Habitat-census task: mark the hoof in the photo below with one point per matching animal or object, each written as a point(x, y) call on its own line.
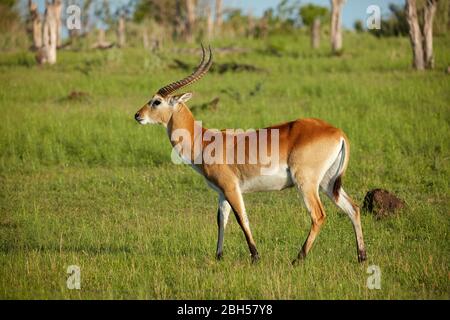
point(362, 256)
point(219, 256)
point(255, 259)
point(297, 261)
point(301, 256)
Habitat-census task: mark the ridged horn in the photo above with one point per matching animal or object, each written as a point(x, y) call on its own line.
point(199, 72)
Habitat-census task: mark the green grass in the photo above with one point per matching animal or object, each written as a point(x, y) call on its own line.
point(82, 184)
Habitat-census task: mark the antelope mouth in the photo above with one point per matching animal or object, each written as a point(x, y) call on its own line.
point(144, 121)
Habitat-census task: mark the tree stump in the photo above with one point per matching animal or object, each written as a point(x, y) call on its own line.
point(36, 26)
point(121, 34)
point(315, 34)
point(382, 203)
point(336, 26)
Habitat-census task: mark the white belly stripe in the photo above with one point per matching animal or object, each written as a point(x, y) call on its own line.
point(278, 180)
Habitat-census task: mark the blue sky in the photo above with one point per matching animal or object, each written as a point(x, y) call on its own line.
point(353, 9)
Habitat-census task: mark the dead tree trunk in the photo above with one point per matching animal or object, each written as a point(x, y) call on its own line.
point(219, 20)
point(190, 19)
point(101, 36)
point(121, 37)
point(251, 24)
point(47, 54)
point(415, 35)
point(263, 27)
point(178, 23)
point(336, 22)
point(145, 40)
point(315, 33)
point(85, 17)
point(36, 25)
point(429, 12)
point(101, 41)
point(58, 12)
point(209, 22)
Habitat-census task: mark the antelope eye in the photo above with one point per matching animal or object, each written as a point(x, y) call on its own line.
point(156, 103)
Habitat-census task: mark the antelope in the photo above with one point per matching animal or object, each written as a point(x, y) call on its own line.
point(311, 155)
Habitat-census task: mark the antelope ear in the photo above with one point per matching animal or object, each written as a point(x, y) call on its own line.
point(184, 97)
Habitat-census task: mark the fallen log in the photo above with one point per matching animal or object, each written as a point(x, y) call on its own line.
point(211, 105)
point(221, 68)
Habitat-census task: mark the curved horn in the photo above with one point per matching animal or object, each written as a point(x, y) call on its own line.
point(199, 72)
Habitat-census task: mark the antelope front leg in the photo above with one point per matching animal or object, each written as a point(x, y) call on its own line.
point(234, 198)
point(223, 212)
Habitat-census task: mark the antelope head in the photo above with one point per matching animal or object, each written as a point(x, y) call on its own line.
point(161, 106)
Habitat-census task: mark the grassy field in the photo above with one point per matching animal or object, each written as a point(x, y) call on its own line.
point(81, 183)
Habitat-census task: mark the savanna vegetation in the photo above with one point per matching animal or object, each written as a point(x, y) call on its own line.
point(81, 183)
